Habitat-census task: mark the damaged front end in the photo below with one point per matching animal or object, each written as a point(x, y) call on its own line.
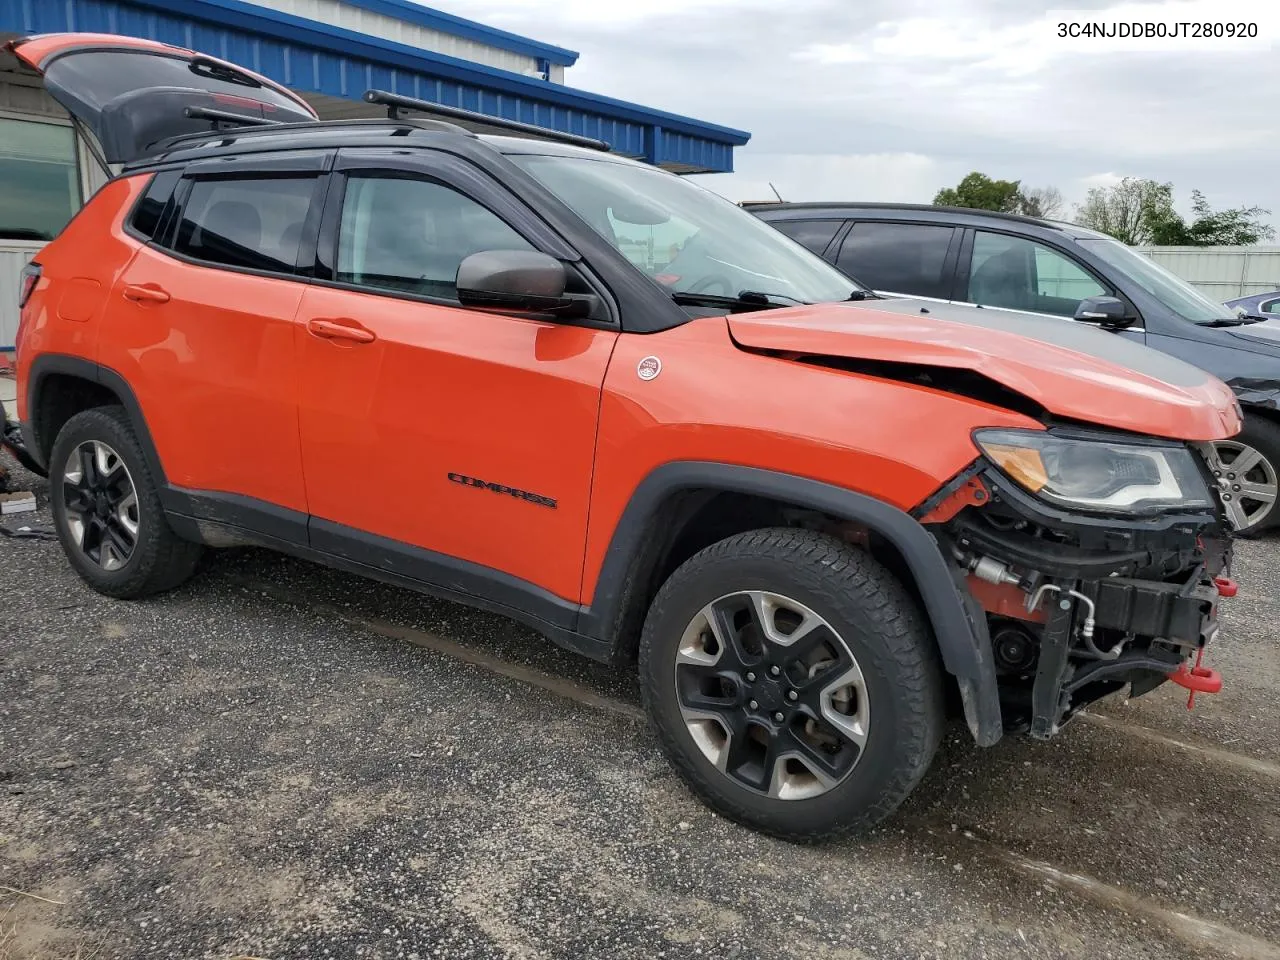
point(1097, 561)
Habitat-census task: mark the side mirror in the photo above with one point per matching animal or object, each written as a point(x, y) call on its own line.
point(515, 280)
point(1108, 311)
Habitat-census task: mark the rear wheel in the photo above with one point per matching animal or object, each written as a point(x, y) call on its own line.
point(1247, 468)
point(107, 510)
point(792, 683)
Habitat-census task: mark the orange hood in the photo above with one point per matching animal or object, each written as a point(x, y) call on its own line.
point(1071, 369)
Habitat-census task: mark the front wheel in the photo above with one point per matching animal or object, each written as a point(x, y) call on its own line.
point(792, 683)
point(1247, 468)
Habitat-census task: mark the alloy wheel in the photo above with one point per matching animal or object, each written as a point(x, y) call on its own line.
point(772, 695)
point(1247, 482)
point(101, 504)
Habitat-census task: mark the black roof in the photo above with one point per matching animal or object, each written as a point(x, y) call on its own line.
point(941, 214)
point(324, 134)
point(231, 134)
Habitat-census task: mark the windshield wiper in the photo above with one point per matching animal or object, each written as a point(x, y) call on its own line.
point(747, 300)
point(1228, 322)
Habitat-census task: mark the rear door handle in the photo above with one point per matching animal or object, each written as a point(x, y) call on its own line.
point(145, 293)
point(340, 329)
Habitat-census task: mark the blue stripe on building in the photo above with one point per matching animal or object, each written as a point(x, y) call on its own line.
point(316, 57)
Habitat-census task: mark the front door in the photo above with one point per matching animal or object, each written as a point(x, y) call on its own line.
point(446, 444)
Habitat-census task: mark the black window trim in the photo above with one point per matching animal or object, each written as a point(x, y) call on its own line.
point(162, 223)
point(949, 259)
point(960, 289)
point(456, 174)
point(837, 235)
point(167, 235)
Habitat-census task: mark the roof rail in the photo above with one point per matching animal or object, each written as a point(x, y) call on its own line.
point(259, 127)
point(394, 103)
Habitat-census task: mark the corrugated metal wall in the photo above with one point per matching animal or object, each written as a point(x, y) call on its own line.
point(14, 255)
point(1223, 273)
point(341, 14)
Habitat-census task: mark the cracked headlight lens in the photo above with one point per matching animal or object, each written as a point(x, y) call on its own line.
point(1100, 475)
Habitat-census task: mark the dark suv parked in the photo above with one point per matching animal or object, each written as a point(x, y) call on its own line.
point(1060, 269)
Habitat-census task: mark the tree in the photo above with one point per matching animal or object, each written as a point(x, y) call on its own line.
point(979, 192)
point(1138, 212)
point(1043, 202)
point(1236, 227)
point(1129, 210)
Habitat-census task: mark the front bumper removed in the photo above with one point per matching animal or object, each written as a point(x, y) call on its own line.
point(1077, 607)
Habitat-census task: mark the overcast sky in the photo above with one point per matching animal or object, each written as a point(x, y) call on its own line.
point(893, 99)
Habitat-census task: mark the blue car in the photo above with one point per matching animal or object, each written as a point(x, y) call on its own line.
point(1262, 305)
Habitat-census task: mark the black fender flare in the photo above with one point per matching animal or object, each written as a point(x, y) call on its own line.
point(55, 363)
point(958, 624)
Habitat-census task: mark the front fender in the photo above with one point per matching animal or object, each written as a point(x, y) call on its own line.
point(958, 625)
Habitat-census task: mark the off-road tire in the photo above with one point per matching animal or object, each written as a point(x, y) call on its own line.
point(881, 624)
point(160, 560)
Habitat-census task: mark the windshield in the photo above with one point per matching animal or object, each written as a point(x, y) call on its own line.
point(685, 237)
point(1176, 294)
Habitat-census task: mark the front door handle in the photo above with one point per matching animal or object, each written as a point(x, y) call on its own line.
point(341, 329)
point(145, 293)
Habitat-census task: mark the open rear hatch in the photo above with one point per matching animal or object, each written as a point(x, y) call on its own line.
point(134, 94)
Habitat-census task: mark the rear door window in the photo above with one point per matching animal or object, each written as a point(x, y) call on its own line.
point(906, 258)
point(251, 223)
point(813, 234)
point(1020, 274)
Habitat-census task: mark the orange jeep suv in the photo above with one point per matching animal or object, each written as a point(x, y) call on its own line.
point(590, 395)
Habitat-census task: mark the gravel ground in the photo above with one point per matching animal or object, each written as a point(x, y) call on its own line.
point(279, 761)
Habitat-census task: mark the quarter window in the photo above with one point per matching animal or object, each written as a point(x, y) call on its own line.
point(898, 257)
point(813, 234)
point(411, 235)
point(41, 178)
point(253, 222)
point(1271, 306)
point(1021, 274)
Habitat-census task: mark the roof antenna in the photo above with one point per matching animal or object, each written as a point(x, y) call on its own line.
point(776, 193)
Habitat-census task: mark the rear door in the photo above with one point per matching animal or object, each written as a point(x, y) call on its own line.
point(131, 94)
point(201, 325)
point(908, 259)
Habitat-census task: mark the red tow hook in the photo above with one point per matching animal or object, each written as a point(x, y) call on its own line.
point(1198, 679)
point(1226, 586)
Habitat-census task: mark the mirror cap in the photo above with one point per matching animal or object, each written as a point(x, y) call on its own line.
point(1109, 311)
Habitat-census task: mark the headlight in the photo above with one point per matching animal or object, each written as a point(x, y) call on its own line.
point(1098, 474)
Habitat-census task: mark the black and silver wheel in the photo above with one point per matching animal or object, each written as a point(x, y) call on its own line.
point(107, 511)
point(772, 695)
point(792, 683)
point(1247, 469)
point(101, 504)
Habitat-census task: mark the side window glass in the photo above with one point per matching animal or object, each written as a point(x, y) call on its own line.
point(411, 235)
point(1271, 306)
point(898, 257)
point(150, 209)
point(1020, 274)
point(814, 234)
point(255, 223)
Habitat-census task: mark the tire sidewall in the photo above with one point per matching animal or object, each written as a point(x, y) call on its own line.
point(103, 426)
point(681, 600)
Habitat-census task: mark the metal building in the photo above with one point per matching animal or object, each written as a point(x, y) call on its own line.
point(1222, 273)
point(331, 51)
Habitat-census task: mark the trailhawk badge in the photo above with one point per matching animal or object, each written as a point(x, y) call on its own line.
point(648, 368)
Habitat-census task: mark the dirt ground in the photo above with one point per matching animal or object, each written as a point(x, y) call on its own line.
point(278, 761)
